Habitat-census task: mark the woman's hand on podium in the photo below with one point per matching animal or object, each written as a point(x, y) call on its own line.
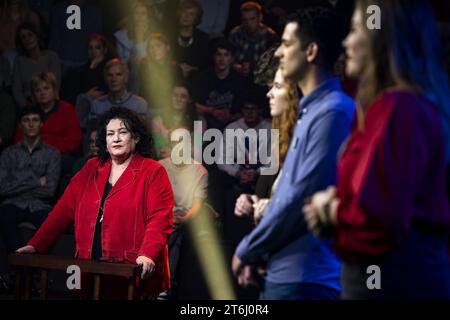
point(26, 249)
point(147, 266)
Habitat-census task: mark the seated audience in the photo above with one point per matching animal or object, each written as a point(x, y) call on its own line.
point(252, 37)
point(32, 60)
point(12, 15)
point(180, 112)
point(190, 44)
point(88, 80)
point(29, 171)
point(116, 77)
point(132, 39)
point(92, 152)
point(72, 45)
point(158, 72)
point(61, 126)
point(246, 173)
point(218, 89)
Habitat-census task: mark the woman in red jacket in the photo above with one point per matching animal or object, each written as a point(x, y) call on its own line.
point(120, 203)
point(390, 210)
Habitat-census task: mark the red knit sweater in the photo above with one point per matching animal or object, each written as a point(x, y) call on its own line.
point(61, 129)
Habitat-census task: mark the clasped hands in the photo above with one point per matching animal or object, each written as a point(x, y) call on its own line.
point(320, 211)
point(246, 274)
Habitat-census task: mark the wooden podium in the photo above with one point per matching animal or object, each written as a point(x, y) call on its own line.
point(26, 264)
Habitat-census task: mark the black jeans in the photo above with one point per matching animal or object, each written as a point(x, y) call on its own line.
point(10, 217)
point(175, 244)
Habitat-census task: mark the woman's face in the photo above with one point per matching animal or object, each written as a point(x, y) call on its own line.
point(29, 39)
point(140, 15)
point(180, 98)
point(44, 94)
point(158, 49)
point(96, 50)
point(278, 95)
point(93, 149)
point(188, 17)
point(356, 47)
point(120, 143)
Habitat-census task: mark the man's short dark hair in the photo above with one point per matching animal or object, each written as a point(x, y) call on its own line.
point(31, 110)
point(223, 43)
point(254, 97)
point(322, 25)
point(251, 6)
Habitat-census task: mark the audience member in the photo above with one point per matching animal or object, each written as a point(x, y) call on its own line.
point(244, 153)
point(13, 14)
point(158, 73)
point(32, 60)
point(116, 75)
point(218, 89)
point(246, 173)
point(132, 40)
point(29, 171)
point(61, 126)
point(92, 152)
point(180, 112)
point(72, 44)
point(88, 80)
point(251, 38)
point(190, 44)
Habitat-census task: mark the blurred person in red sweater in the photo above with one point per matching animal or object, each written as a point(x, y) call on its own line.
point(61, 128)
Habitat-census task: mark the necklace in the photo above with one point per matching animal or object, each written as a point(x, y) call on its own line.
point(185, 43)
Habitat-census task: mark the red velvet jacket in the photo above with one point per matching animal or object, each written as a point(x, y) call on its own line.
point(137, 217)
point(391, 173)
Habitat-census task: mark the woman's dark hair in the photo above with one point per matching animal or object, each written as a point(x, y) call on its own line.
point(189, 115)
point(110, 49)
point(133, 123)
point(33, 29)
